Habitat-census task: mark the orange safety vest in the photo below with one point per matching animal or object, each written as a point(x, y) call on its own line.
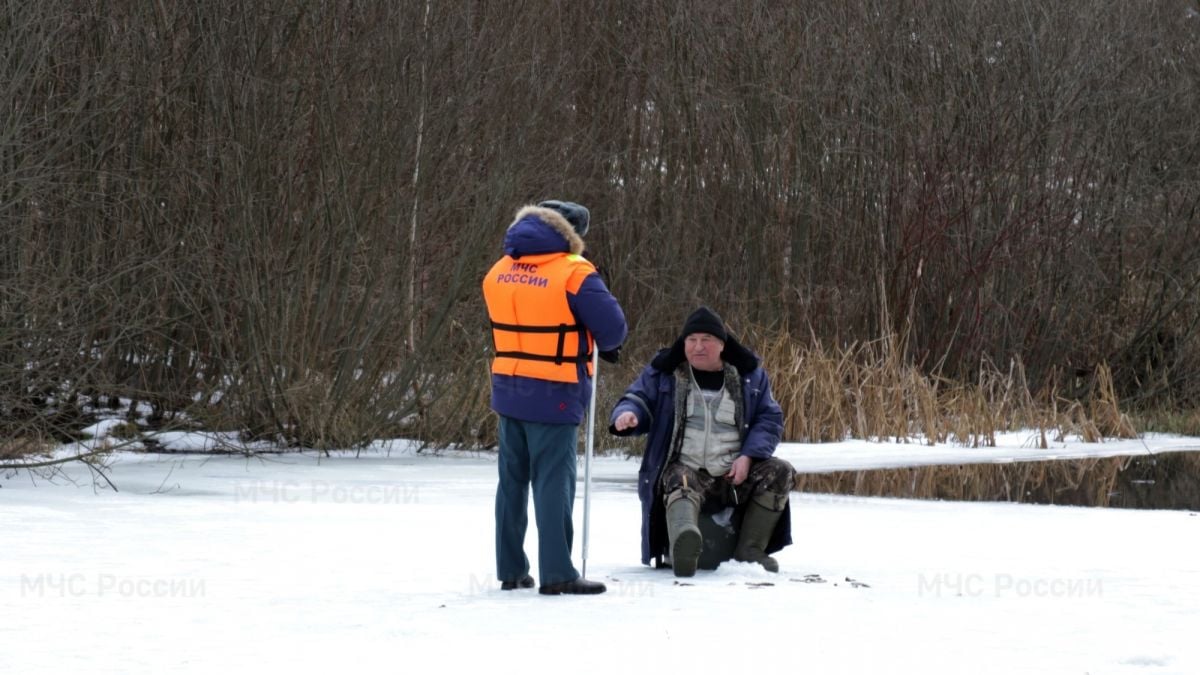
point(533, 329)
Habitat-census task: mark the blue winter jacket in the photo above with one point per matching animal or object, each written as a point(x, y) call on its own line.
point(652, 399)
point(534, 400)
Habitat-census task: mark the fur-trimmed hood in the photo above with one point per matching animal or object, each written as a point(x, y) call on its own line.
point(740, 357)
point(537, 230)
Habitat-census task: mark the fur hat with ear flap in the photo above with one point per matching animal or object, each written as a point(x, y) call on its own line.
point(576, 214)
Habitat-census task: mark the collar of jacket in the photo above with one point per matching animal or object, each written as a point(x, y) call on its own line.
point(667, 360)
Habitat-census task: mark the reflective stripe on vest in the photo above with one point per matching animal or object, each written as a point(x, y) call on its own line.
point(533, 330)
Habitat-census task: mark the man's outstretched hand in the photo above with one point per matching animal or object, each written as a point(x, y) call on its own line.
point(625, 421)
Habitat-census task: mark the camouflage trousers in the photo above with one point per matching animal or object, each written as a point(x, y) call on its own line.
point(768, 483)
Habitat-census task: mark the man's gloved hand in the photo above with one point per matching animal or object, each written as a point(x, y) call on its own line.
point(611, 355)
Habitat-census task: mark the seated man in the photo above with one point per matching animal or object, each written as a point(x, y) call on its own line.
point(713, 428)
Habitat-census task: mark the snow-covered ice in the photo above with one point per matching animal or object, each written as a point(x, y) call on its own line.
point(384, 563)
point(1011, 446)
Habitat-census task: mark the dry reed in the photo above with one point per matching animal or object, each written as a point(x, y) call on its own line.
point(866, 390)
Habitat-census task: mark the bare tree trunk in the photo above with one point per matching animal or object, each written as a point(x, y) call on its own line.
point(413, 264)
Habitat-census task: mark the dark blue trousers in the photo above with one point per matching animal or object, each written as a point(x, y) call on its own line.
point(541, 456)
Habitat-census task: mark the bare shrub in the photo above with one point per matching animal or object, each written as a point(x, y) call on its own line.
point(272, 216)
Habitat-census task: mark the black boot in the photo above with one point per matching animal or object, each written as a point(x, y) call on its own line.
point(524, 582)
point(684, 537)
point(579, 586)
point(757, 526)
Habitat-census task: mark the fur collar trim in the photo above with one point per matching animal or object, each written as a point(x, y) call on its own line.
point(555, 221)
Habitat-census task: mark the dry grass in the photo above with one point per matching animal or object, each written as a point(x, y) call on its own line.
point(24, 447)
point(1184, 423)
point(865, 390)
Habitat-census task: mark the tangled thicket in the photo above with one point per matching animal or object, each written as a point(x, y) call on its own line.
point(272, 215)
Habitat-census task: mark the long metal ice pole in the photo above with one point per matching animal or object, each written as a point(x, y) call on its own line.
point(587, 457)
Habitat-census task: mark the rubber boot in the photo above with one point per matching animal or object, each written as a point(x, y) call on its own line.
point(684, 536)
point(757, 526)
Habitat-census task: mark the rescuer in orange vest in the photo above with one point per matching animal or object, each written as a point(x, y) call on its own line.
point(549, 309)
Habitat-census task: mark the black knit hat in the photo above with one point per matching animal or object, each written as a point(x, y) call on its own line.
point(576, 214)
point(704, 320)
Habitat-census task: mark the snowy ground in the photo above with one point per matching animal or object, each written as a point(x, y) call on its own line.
point(384, 563)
